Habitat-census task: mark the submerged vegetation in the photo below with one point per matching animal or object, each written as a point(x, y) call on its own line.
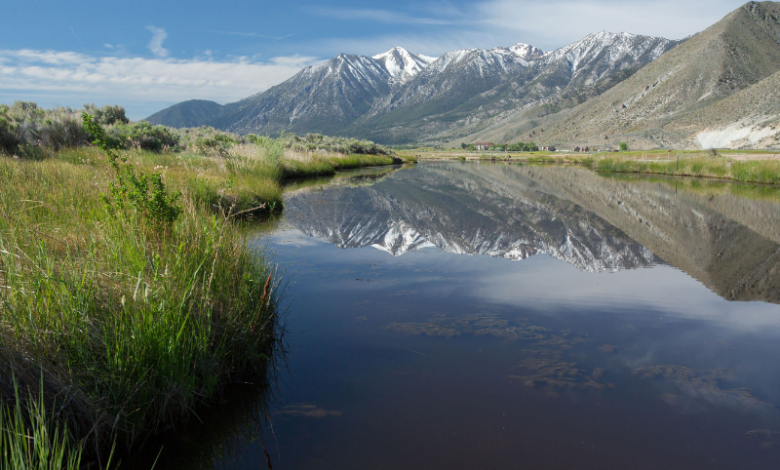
point(128, 292)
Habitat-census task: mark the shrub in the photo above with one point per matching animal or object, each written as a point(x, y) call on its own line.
point(144, 136)
point(320, 143)
point(145, 193)
point(107, 115)
point(9, 130)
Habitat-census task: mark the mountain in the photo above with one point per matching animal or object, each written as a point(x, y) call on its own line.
point(398, 96)
point(466, 91)
point(526, 52)
point(676, 100)
point(322, 98)
point(752, 118)
point(191, 113)
point(602, 90)
point(402, 65)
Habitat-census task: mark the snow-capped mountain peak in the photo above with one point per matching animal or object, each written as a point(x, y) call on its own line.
point(401, 64)
point(526, 52)
point(617, 46)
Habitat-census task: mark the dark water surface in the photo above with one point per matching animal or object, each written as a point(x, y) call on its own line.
point(463, 316)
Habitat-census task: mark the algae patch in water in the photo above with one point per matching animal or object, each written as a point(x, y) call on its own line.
point(546, 368)
point(479, 324)
point(701, 386)
point(308, 411)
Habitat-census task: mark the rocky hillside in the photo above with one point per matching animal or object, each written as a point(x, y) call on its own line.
point(466, 91)
point(676, 100)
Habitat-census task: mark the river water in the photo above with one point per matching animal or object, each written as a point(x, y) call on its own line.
point(464, 315)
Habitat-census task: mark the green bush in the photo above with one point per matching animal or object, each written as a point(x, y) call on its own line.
point(107, 115)
point(145, 193)
point(144, 136)
point(9, 130)
point(318, 142)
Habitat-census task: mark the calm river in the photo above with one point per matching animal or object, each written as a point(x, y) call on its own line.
point(495, 316)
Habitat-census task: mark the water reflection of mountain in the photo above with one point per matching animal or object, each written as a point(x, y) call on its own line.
point(466, 213)
point(730, 244)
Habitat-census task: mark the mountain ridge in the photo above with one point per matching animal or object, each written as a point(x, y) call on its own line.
point(599, 91)
point(653, 108)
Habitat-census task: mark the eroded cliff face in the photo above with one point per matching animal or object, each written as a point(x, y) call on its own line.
point(730, 244)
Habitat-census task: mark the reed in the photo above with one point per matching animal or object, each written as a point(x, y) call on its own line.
point(128, 328)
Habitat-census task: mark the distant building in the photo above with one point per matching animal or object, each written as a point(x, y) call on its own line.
point(483, 145)
point(548, 148)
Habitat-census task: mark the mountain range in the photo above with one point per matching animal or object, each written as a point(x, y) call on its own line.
point(606, 88)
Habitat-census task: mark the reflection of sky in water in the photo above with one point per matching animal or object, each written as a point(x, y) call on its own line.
point(437, 360)
point(609, 346)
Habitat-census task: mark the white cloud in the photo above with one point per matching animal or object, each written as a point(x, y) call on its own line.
point(295, 61)
point(548, 25)
point(565, 21)
point(155, 44)
point(27, 74)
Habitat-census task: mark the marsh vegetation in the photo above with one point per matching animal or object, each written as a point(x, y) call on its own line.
point(129, 296)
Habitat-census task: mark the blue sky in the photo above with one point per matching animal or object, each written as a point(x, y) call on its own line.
point(146, 55)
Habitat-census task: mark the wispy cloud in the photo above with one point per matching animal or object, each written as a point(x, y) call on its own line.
point(156, 43)
point(30, 73)
point(379, 16)
point(250, 34)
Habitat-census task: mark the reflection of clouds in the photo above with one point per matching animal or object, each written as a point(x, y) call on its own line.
point(294, 238)
point(308, 411)
point(692, 387)
point(542, 283)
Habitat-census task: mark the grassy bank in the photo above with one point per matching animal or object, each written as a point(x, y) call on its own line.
point(749, 166)
point(749, 171)
point(128, 327)
point(117, 324)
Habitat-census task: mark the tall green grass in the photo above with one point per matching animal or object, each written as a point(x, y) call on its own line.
point(128, 329)
point(29, 441)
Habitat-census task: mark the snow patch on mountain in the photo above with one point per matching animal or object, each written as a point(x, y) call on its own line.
point(526, 52)
point(617, 47)
point(401, 64)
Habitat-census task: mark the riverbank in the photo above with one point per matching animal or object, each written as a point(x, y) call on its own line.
point(747, 166)
point(117, 325)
